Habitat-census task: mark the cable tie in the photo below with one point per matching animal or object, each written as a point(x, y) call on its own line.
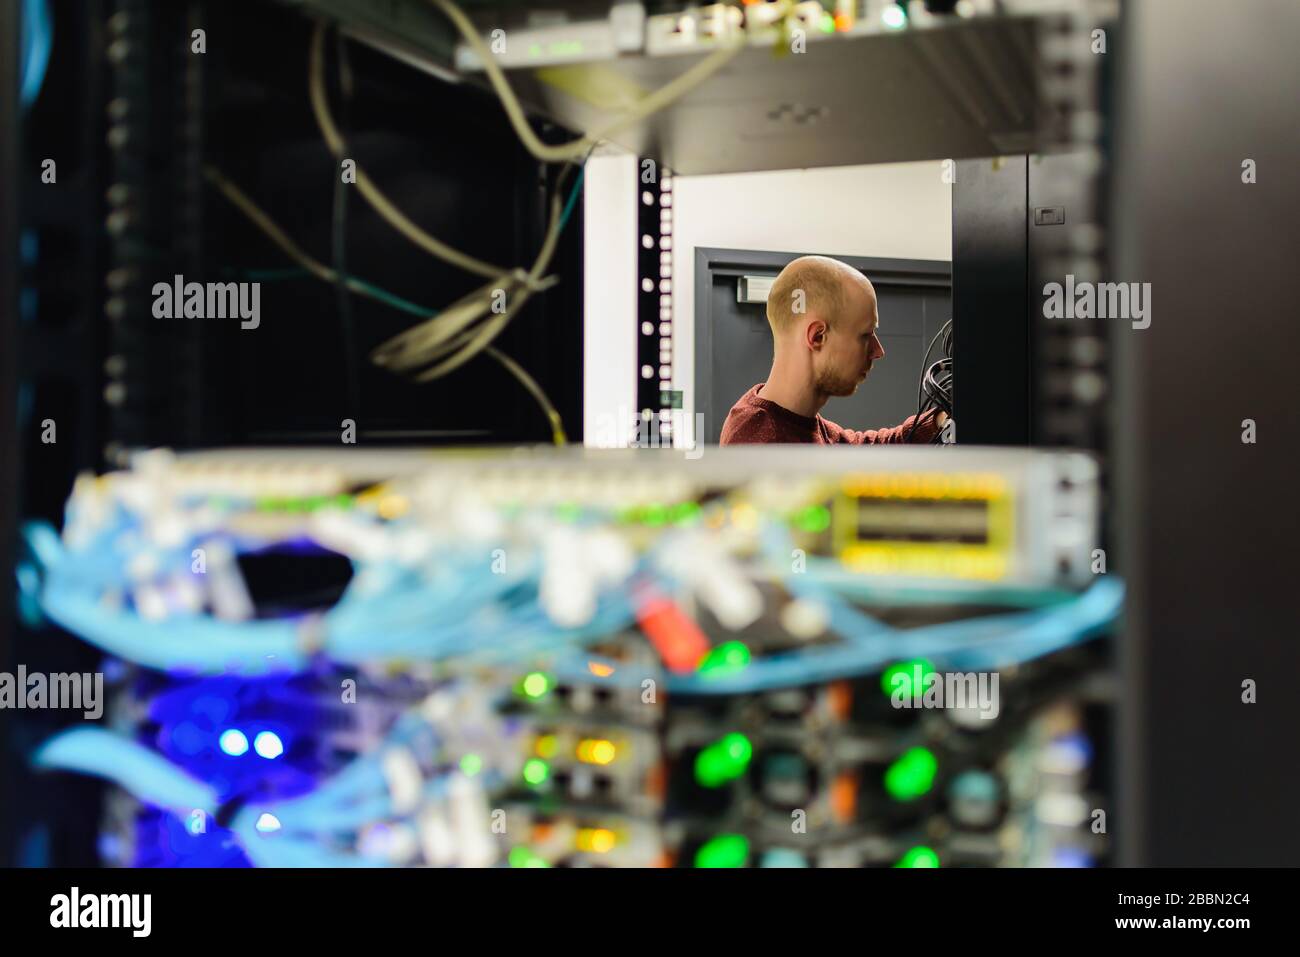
point(524, 278)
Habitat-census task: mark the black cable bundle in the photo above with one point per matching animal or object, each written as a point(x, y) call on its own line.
point(935, 391)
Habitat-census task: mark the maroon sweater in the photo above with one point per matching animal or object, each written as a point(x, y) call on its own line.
point(755, 419)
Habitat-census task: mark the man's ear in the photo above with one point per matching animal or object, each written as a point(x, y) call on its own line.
point(814, 334)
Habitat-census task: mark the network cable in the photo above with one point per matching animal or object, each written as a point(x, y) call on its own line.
point(649, 105)
point(414, 769)
point(445, 336)
point(373, 195)
point(259, 218)
point(388, 612)
point(451, 336)
point(934, 393)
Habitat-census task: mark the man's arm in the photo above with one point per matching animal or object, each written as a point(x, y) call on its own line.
point(930, 425)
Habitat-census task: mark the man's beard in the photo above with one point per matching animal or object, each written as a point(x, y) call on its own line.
point(830, 383)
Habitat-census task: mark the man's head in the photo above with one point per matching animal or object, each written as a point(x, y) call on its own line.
point(824, 321)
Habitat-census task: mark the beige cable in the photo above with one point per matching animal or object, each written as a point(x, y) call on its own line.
point(373, 195)
point(674, 90)
point(436, 337)
point(262, 221)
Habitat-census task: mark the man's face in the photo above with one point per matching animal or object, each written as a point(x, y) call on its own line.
point(852, 346)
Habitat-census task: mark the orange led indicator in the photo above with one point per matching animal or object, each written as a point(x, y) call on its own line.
point(840, 698)
point(844, 797)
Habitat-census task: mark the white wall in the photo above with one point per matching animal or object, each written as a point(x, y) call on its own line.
point(609, 348)
point(895, 210)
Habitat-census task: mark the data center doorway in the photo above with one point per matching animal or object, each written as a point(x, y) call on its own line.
point(733, 345)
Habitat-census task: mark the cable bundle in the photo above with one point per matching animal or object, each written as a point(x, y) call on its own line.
point(449, 338)
point(935, 392)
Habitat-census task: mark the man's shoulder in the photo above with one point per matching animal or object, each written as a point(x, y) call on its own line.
point(834, 434)
point(745, 423)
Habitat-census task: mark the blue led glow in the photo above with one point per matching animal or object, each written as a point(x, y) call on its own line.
point(268, 745)
point(189, 738)
point(1070, 857)
point(213, 707)
point(1077, 745)
point(234, 742)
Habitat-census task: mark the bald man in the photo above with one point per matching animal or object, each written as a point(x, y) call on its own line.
point(824, 324)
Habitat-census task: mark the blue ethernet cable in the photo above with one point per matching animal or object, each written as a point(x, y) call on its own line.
point(973, 644)
point(354, 798)
point(132, 766)
point(404, 617)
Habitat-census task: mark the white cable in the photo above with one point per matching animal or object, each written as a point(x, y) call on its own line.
point(647, 106)
point(373, 195)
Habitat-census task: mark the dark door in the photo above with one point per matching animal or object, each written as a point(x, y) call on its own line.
point(733, 345)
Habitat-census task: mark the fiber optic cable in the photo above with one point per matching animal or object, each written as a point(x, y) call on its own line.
point(132, 766)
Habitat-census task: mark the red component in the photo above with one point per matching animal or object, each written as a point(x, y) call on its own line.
point(680, 642)
point(844, 797)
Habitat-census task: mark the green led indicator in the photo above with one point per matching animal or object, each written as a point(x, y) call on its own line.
point(814, 518)
point(918, 857)
point(536, 771)
point(342, 500)
point(535, 49)
point(724, 760)
point(906, 685)
point(828, 23)
point(567, 48)
point(523, 857)
point(655, 514)
point(727, 658)
point(568, 512)
point(535, 685)
point(911, 775)
point(471, 764)
point(685, 513)
point(725, 850)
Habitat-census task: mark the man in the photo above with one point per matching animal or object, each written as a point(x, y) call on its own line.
point(824, 324)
